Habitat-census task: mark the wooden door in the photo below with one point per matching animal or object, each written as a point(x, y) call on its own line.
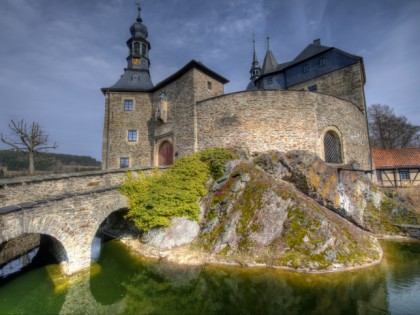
point(166, 153)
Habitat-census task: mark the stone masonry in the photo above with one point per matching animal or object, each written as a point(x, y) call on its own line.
point(68, 208)
point(286, 120)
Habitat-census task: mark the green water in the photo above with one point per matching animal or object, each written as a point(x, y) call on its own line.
point(128, 285)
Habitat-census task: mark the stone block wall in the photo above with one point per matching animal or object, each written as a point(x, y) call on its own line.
point(15, 191)
point(346, 83)
point(117, 122)
point(281, 120)
point(182, 95)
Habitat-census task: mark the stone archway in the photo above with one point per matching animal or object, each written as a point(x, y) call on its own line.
point(165, 154)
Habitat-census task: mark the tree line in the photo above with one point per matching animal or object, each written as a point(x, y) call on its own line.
point(18, 160)
point(389, 131)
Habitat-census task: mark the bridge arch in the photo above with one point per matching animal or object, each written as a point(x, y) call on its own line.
point(72, 221)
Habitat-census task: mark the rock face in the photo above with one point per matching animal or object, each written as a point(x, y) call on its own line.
point(275, 210)
point(182, 231)
point(255, 218)
point(345, 191)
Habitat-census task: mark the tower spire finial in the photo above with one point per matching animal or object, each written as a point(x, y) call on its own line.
point(139, 9)
point(268, 42)
point(254, 59)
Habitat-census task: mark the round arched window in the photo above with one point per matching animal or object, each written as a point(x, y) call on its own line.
point(332, 148)
point(136, 48)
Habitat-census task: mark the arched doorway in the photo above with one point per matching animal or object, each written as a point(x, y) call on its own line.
point(332, 148)
point(166, 154)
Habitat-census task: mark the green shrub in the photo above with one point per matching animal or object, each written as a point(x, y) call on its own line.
point(154, 200)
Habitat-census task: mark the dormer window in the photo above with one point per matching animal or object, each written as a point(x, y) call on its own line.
point(322, 62)
point(269, 80)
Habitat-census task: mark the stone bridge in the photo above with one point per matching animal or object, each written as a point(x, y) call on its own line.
point(69, 208)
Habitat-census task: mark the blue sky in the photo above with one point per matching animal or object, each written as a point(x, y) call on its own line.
point(55, 55)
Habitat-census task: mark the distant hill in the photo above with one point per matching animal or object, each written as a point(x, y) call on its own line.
point(14, 163)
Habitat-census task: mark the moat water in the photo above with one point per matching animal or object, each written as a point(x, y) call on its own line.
point(122, 283)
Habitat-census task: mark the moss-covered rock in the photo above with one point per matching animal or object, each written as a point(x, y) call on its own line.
point(272, 210)
point(269, 222)
point(343, 189)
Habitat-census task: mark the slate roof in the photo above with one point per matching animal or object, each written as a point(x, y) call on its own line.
point(192, 64)
point(132, 80)
point(310, 51)
point(396, 158)
point(270, 63)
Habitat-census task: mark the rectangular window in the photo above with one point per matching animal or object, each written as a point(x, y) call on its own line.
point(404, 175)
point(378, 174)
point(132, 135)
point(312, 88)
point(209, 85)
point(305, 68)
point(124, 162)
point(128, 105)
point(322, 62)
point(269, 80)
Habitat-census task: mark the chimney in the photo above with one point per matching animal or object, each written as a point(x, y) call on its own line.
point(317, 42)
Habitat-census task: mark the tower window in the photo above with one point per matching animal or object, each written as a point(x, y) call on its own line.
point(136, 48)
point(305, 68)
point(322, 62)
point(128, 105)
point(209, 85)
point(124, 162)
point(143, 50)
point(332, 148)
point(132, 135)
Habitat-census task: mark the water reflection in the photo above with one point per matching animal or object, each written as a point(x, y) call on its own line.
point(128, 285)
point(18, 264)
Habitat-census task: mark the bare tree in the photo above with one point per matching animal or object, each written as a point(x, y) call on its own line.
point(29, 138)
point(388, 131)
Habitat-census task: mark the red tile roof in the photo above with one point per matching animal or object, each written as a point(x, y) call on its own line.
point(390, 158)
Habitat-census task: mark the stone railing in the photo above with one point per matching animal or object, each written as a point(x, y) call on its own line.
point(23, 189)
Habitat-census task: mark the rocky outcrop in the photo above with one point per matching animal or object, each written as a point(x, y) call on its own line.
point(345, 190)
point(254, 218)
point(275, 210)
point(182, 231)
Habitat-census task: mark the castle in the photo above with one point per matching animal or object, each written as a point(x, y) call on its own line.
point(315, 102)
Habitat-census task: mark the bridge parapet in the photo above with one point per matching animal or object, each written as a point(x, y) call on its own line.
point(37, 188)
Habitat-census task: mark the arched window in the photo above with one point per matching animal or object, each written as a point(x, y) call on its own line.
point(166, 154)
point(136, 48)
point(143, 50)
point(332, 148)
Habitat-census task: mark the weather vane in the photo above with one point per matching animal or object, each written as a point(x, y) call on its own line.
point(139, 9)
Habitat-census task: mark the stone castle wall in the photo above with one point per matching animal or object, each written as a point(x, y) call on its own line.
point(119, 122)
point(182, 95)
point(282, 120)
point(346, 83)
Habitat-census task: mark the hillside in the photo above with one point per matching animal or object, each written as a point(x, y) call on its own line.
point(14, 163)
